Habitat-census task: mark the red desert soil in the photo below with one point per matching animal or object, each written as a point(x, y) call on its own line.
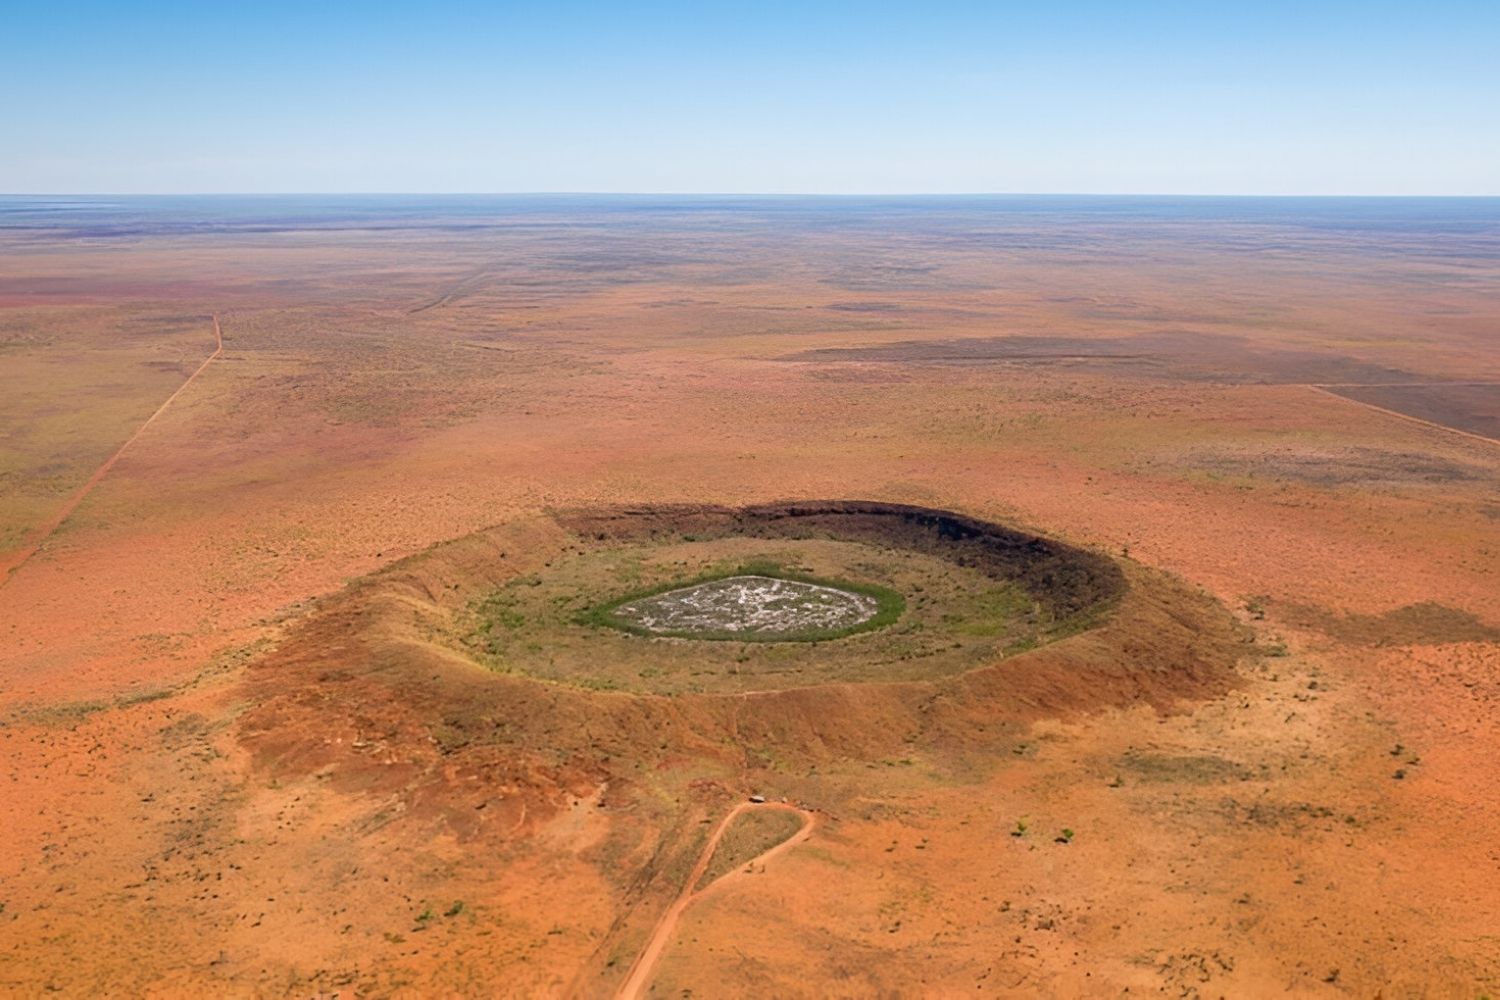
point(181, 819)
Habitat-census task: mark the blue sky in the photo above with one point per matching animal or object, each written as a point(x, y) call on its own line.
point(1209, 97)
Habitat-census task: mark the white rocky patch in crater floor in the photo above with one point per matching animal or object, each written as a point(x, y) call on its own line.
point(756, 605)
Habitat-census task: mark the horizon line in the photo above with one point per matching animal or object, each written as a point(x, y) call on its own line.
point(721, 194)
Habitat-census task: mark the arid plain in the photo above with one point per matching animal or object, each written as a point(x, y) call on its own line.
point(252, 744)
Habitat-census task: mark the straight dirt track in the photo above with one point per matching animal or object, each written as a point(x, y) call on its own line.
point(1334, 391)
point(641, 972)
point(47, 530)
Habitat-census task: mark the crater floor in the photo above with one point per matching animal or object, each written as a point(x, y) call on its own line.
point(750, 606)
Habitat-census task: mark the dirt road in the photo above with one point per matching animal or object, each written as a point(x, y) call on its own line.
point(1330, 390)
point(641, 972)
point(46, 531)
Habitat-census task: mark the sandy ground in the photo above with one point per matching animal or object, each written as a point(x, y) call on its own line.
point(1322, 830)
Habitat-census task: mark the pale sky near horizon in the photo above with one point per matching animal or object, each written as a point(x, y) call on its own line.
point(1150, 97)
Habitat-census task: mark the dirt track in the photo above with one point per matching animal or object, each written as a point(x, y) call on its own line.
point(1345, 392)
point(46, 531)
point(641, 972)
